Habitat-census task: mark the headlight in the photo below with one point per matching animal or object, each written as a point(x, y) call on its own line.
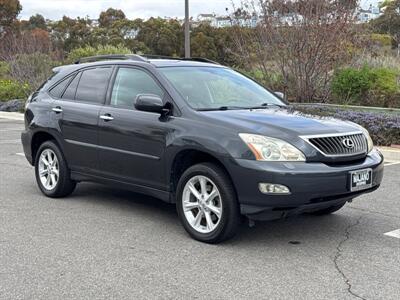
point(271, 149)
point(370, 143)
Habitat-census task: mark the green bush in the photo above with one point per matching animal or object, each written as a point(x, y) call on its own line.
point(4, 69)
point(383, 40)
point(367, 86)
point(350, 85)
point(99, 50)
point(11, 89)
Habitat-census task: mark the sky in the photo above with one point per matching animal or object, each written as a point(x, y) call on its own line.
point(55, 9)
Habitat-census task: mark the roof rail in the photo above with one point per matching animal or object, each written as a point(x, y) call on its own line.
point(199, 59)
point(142, 58)
point(156, 56)
point(110, 57)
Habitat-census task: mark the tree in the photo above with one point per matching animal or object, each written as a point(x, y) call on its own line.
point(108, 17)
point(304, 39)
point(162, 37)
point(389, 22)
point(68, 33)
point(37, 22)
point(25, 42)
point(213, 43)
point(9, 10)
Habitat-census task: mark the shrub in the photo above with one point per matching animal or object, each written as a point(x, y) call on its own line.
point(385, 90)
point(350, 85)
point(382, 40)
point(32, 69)
point(4, 69)
point(384, 128)
point(11, 89)
point(367, 86)
point(99, 50)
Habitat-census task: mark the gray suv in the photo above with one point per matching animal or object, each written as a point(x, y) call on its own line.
point(194, 133)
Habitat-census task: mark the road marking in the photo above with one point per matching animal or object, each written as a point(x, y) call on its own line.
point(12, 129)
point(10, 141)
point(20, 154)
point(394, 233)
point(392, 163)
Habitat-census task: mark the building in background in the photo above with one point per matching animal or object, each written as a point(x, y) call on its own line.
point(372, 13)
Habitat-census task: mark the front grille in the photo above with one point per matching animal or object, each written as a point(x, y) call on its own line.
point(340, 145)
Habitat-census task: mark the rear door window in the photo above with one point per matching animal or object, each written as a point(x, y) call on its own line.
point(93, 84)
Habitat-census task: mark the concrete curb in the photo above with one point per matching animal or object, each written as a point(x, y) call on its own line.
point(11, 115)
point(390, 154)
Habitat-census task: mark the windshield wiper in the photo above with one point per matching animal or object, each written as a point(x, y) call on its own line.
point(261, 106)
point(265, 105)
point(222, 108)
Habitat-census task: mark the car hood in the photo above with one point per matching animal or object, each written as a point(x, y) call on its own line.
point(277, 122)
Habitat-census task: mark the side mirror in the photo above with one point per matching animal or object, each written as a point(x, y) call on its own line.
point(280, 95)
point(149, 103)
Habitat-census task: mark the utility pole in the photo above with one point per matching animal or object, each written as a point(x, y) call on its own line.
point(187, 30)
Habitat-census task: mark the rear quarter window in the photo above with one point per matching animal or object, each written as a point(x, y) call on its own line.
point(58, 90)
point(71, 89)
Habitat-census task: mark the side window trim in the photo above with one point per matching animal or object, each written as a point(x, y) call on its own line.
point(111, 85)
point(70, 76)
point(79, 74)
point(114, 76)
point(75, 75)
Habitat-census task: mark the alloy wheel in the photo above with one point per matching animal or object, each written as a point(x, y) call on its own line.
point(49, 169)
point(202, 205)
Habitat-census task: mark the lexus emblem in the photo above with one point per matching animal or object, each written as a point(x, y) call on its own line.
point(348, 143)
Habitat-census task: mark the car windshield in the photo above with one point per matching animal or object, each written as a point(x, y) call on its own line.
point(209, 88)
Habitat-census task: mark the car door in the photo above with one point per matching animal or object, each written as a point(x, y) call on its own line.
point(131, 142)
point(77, 112)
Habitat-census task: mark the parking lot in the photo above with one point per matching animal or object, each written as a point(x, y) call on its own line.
point(101, 243)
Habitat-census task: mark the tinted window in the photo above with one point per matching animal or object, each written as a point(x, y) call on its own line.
point(58, 90)
point(71, 90)
point(131, 82)
point(93, 85)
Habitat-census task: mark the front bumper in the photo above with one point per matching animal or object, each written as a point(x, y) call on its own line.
point(313, 186)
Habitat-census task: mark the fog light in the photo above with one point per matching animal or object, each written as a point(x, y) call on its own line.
point(271, 188)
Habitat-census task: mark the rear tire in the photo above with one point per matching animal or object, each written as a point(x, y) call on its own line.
point(327, 211)
point(207, 204)
point(52, 174)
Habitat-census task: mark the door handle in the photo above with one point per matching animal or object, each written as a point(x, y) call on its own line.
point(106, 117)
point(57, 109)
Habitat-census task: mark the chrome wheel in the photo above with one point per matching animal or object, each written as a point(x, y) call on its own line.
point(49, 169)
point(201, 202)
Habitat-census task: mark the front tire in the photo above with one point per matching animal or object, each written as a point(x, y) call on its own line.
point(206, 203)
point(52, 174)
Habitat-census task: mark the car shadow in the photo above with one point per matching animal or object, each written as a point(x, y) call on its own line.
point(295, 230)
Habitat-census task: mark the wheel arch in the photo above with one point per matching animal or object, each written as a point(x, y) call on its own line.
point(187, 158)
point(38, 139)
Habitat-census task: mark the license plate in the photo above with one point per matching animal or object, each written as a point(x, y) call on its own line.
point(360, 179)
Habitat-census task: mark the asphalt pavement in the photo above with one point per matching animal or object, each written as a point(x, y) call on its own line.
point(103, 243)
